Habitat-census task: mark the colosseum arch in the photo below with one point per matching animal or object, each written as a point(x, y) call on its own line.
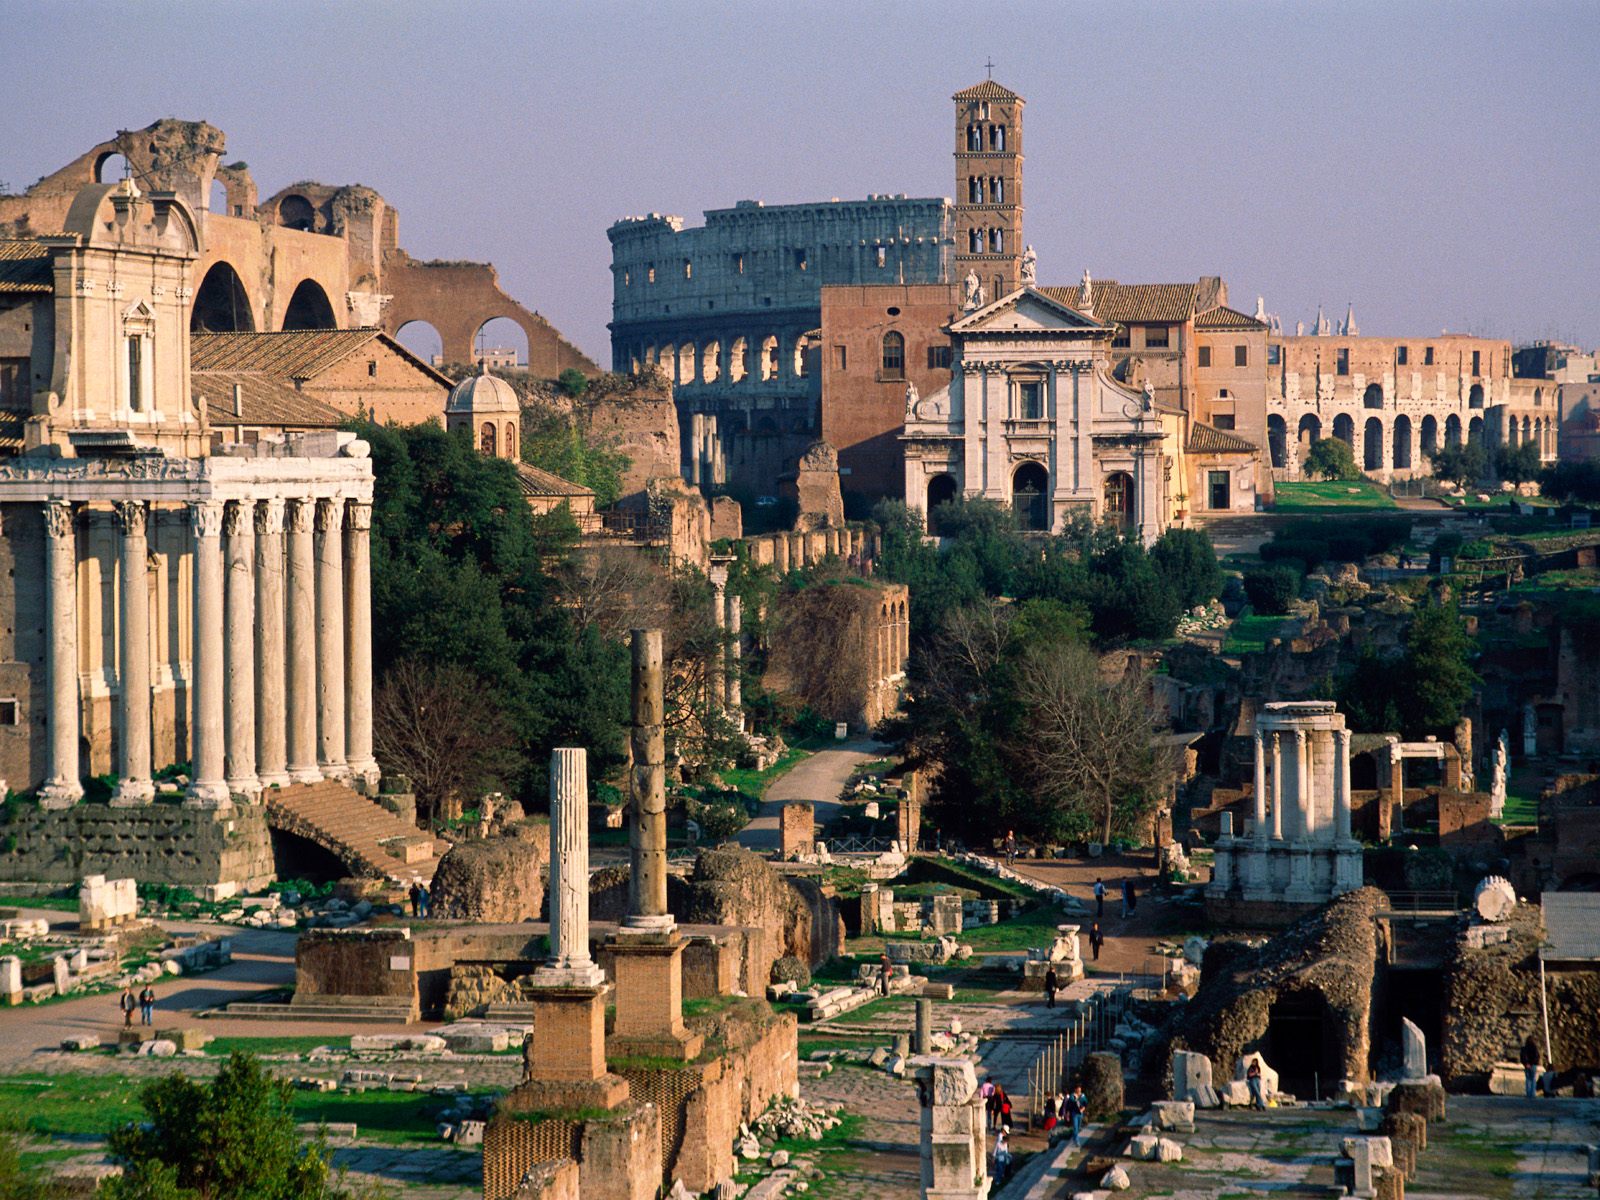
point(1452, 431)
point(221, 305)
point(687, 361)
point(738, 360)
point(711, 361)
point(1278, 441)
point(1344, 428)
point(1475, 431)
point(1402, 443)
point(309, 308)
point(1430, 436)
point(1308, 434)
point(1372, 445)
point(769, 358)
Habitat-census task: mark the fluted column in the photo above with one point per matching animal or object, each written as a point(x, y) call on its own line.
point(330, 639)
point(647, 883)
point(735, 653)
point(1341, 785)
point(240, 526)
point(1301, 785)
point(61, 788)
point(570, 964)
point(358, 643)
point(271, 747)
point(1261, 786)
point(1277, 786)
point(716, 684)
point(1308, 803)
point(209, 786)
point(134, 785)
point(301, 668)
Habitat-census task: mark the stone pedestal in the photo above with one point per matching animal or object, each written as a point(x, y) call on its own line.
point(564, 1058)
point(797, 830)
point(955, 1161)
point(1348, 869)
point(1300, 887)
point(649, 1021)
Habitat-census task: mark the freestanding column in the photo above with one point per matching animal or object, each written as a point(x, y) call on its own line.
point(240, 526)
point(1301, 785)
point(358, 643)
point(735, 653)
point(1261, 786)
point(717, 682)
point(61, 788)
point(1308, 802)
point(133, 668)
point(647, 883)
point(209, 788)
point(301, 675)
point(271, 748)
point(570, 963)
point(1341, 785)
point(330, 639)
point(1277, 786)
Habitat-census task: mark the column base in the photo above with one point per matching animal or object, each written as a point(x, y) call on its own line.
point(246, 791)
point(680, 1045)
point(132, 793)
point(272, 779)
point(578, 976)
point(339, 771)
point(364, 775)
point(208, 795)
point(305, 774)
point(643, 926)
point(60, 793)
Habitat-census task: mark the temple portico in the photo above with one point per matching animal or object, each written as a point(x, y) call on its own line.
point(1297, 847)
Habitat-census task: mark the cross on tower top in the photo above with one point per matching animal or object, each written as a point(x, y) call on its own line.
point(989, 66)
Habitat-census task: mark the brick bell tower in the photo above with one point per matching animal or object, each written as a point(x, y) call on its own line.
point(989, 187)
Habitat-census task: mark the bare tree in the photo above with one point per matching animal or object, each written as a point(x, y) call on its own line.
point(436, 725)
point(1090, 739)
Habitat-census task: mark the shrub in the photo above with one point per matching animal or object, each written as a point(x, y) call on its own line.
point(1311, 553)
point(1331, 458)
point(1272, 588)
point(572, 382)
point(1186, 559)
point(790, 969)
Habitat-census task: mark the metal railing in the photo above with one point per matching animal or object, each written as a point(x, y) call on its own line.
point(1090, 1030)
point(860, 845)
point(1422, 904)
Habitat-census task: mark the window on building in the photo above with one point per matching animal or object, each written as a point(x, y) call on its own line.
point(1030, 400)
point(1342, 364)
point(997, 241)
point(974, 190)
point(627, 279)
point(1274, 354)
point(486, 439)
point(252, 437)
point(1241, 356)
point(841, 358)
point(650, 273)
point(1120, 337)
point(801, 262)
point(997, 137)
point(1155, 336)
point(1204, 355)
point(1427, 356)
point(738, 264)
point(974, 137)
point(688, 269)
point(883, 256)
point(16, 390)
point(372, 369)
point(974, 241)
point(983, 110)
point(8, 712)
point(997, 190)
point(136, 374)
point(1218, 485)
point(938, 358)
point(1401, 354)
point(894, 355)
point(1477, 362)
point(1222, 420)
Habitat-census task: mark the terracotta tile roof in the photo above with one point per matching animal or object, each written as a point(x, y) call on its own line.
point(1227, 318)
point(266, 400)
point(11, 427)
point(1132, 303)
point(25, 268)
point(538, 482)
point(1208, 439)
point(987, 90)
point(292, 354)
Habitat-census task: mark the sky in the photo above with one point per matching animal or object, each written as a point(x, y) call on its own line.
point(1433, 163)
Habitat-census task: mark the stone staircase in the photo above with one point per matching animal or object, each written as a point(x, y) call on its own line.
point(380, 1010)
point(368, 838)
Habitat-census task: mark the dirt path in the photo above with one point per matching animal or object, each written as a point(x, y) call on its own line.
point(819, 779)
point(1128, 939)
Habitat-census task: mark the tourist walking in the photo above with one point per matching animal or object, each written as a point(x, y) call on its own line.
point(1002, 1157)
point(416, 897)
point(884, 973)
point(1052, 1114)
point(1051, 983)
point(1011, 846)
point(1078, 1110)
point(1097, 938)
point(1099, 897)
point(424, 900)
point(1530, 1066)
point(1253, 1078)
point(128, 1004)
point(147, 1005)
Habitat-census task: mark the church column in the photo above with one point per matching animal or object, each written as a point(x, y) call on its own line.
point(240, 526)
point(716, 679)
point(358, 644)
point(209, 788)
point(301, 675)
point(133, 668)
point(271, 752)
point(1308, 803)
point(62, 788)
point(330, 639)
point(1261, 787)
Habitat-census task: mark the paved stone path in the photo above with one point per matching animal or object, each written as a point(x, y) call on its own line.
point(819, 779)
point(884, 1162)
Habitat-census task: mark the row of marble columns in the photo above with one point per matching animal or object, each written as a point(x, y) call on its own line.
point(892, 642)
point(281, 681)
point(1294, 750)
point(724, 683)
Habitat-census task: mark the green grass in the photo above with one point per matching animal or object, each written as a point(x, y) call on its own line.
point(756, 783)
point(1034, 926)
point(52, 903)
point(1329, 495)
point(1520, 810)
point(840, 1150)
point(1249, 633)
point(224, 1046)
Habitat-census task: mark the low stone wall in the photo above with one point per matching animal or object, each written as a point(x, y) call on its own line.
point(155, 843)
point(355, 963)
point(618, 1154)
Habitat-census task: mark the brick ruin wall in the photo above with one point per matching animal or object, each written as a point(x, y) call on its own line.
point(348, 963)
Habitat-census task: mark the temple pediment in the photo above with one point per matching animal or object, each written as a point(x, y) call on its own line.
point(1028, 311)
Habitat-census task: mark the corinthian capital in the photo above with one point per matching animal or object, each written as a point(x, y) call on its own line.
point(58, 518)
point(298, 515)
point(330, 516)
point(238, 519)
point(358, 516)
point(269, 517)
point(132, 516)
point(205, 518)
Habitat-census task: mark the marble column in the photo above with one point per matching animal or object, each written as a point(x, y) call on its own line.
point(301, 674)
point(271, 747)
point(133, 668)
point(1341, 785)
point(358, 644)
point(240, 617)
point(1277, 786)
point(1261, 787)
point(330, 639)
point(1308, 803)
point(647, 883)
point(1302, 786)
point(735, 653)
point(716, 676)
point(209, 786)
point(61, 788)
point(570, 964)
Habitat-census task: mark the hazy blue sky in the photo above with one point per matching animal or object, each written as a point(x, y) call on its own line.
point(1435, 163)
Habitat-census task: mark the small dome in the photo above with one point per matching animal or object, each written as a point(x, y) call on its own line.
point(482, 393)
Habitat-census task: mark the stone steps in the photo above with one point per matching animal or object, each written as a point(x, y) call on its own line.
point(355, 829)
point(252, 1010)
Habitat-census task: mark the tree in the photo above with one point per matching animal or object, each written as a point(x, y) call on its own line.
point(20, 1181)
point(554, 441)
point(1519, 464)
point(1186, 559)
point(435, 724)
point(1090, 740)
point(1331, 458)
point(232, 1138)
point(1270, 589)
point(572, 382)
point(1421, 691)
point(1460, 465)
point(1571, 480)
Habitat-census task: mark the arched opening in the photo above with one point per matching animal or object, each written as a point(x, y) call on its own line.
point(800, 357)
point(941, 490)
point(1030, 496)
point(1452, 431)
point(501, 342)
point(1278, 441)
point(1372, 447)
point(738, 360)
point(217, 200)
point(296, 857)
point(1372, 397)
point(1402, 443)
point(711, 362)
point(487, 441)
point(1302, 1042)
point(309, 308)
point(296, 212)
point(686, 363)
point(1475, 431)
point(111, 168)
point(894, 355)
point(423, 340)
point(513, 447)
point(221, 305)
point(1308, 434)
point(1430, 436)
point(769, 358)
point(1475, 396)
point(1119, 499)
point(1344, 428)
point(1527, 427)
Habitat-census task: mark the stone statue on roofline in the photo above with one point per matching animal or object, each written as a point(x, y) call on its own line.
point(911, 400)
point(974, 291)
point(1030, 266)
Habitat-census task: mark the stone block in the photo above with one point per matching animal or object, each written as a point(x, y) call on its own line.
point(1508, 1079)
point(1191, 1073)
point(81, 1043)
point(1168, 1150)
point(1176, 1116)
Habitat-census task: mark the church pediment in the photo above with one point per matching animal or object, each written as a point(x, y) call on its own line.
point(1027, 311)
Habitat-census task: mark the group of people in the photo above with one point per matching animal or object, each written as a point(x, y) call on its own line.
point(145, 1003)
point(1130, 898)
point(1061, 1110)
point(420, 899)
